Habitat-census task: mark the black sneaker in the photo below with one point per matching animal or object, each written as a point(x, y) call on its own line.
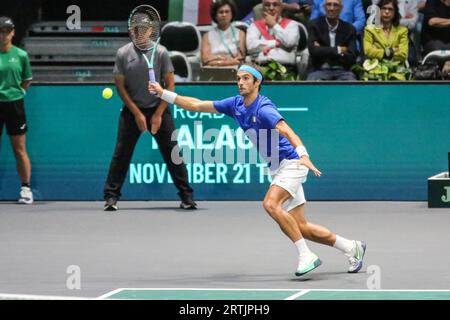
point(187, 203)
point(110, 204)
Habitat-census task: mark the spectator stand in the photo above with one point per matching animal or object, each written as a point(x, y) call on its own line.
point(82, 55)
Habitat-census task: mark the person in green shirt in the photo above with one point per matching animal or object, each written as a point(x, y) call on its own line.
point(15, 79)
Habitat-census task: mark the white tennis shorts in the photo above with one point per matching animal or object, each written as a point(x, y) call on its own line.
point(290, 175)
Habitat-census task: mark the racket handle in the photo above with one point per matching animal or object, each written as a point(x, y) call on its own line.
point(151, 75)
point(152, 79)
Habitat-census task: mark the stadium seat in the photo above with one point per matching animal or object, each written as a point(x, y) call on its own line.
point(46, 28)
point(87, 74)
point(183, 37)
point(439, 56)
point(302, 57)
point(183, 71)
point(73, 49)
point(58, 54)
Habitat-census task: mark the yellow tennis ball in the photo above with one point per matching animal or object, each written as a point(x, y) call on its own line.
point(107, 93)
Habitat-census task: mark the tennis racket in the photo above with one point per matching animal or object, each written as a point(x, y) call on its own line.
point(144, 27)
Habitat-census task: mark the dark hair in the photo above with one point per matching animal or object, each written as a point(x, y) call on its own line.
point(220, 3)
point(260, 85)
point(396, 20)
point(258, 68)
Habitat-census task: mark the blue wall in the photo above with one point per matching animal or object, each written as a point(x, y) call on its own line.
point(371, 141)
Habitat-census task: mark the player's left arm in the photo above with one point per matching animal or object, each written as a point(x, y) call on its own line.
point(283, 128)
point(26, 73)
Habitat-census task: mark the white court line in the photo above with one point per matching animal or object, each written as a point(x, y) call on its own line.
point(293, 109)
point(292, 297)
point(108, 294)
point(7, 296)
point(205, 289)
point(111, 293)
point(383, 290)
point(298, 294)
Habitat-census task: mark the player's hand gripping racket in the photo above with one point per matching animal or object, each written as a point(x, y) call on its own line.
point(143, 26)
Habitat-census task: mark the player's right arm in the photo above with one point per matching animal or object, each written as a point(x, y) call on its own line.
point(188, 103)
point(194, 104)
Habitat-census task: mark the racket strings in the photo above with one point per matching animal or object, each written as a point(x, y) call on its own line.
point(144, 29)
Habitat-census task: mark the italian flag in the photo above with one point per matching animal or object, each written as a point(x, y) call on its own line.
point(194, 11)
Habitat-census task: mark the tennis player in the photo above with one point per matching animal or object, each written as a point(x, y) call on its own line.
point(289, 165)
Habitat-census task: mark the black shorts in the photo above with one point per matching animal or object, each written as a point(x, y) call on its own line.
point(12, 114)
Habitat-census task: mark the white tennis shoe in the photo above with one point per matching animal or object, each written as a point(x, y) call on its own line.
point(307, 263)
point(356, 256)
point(26, 196)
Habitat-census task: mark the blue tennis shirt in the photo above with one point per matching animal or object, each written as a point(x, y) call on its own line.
point(258, 121)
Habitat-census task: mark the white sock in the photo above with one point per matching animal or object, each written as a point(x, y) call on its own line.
point(343, 244)
point(302, 248)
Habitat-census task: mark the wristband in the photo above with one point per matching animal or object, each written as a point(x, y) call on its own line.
point(301, 151)
point(169, 96)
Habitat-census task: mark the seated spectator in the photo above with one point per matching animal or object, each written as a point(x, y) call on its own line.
point(409, 13)
point(223, 46)
point(273, 37)
point(352, 12)
point(332, 45)
point(298, 10)
point(409, 16)
point(390, 40)
point(436, 26)
point(420, 8)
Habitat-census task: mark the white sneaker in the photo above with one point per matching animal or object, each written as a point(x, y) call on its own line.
point(26, 196)
point(307, 264)
point(355, 257)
